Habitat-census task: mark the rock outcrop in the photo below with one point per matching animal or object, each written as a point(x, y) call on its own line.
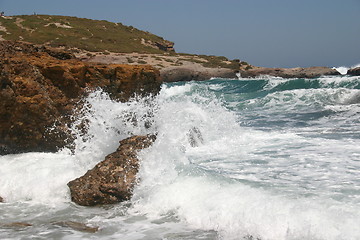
point(311, 72)
point(354, 71)
point(41, 87)
point(177, 74)
point(166, 46)
point(113, 179)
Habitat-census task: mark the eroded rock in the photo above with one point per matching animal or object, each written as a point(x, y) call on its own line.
point(40, 88)
point(112, 180)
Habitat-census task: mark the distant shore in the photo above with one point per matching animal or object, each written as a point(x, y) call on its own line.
point(178, 67)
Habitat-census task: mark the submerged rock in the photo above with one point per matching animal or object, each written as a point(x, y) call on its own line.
point(78, 226)
point(112, 180)
point(310, 72)
point(16, 225)
point(354, 71)
point(40, 88)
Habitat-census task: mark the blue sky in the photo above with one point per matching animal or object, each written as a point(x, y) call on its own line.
point(270, 33)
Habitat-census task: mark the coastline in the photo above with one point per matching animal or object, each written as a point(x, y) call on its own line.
point(179, 67)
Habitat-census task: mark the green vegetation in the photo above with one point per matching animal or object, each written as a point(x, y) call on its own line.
point(78, 34)
point(72, 32)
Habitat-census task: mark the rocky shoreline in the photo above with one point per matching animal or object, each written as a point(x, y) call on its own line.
point(40, 91)
point(354, 71)
point(41, 88)
point(310, 72)
point(174, 68)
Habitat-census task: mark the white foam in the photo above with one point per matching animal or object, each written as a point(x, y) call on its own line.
point(356, 66)
point(192, 182)
point(342, 70)
point(39, 177)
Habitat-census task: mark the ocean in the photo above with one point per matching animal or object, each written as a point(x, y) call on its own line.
point(265, 158)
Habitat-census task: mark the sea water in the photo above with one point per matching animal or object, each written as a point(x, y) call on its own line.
point(266, 158)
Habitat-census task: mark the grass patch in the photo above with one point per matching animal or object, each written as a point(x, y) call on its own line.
point(87, 34)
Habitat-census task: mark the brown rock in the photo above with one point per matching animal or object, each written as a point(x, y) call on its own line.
point(17, 225)
point(1, 199)
point(354, 71)
point(165, 46)
point(39, 91)
point(113, 179)
point(311, 72)
point(78, 226)
point(176, 74)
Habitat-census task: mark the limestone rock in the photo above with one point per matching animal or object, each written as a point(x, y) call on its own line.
point(113, 179)
point(40, 88)
point(354, 71)
point(311, 72)
point(176, 74)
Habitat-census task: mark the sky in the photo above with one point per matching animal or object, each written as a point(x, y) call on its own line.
point(268, 33)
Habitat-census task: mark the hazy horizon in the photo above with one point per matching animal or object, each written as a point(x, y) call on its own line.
point(276, 33)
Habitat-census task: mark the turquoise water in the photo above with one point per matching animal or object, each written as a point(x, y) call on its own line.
point(265, 158)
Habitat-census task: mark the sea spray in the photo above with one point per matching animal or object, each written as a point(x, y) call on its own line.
point(238, 182)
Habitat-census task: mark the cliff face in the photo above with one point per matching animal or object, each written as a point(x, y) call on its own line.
point(40, 88)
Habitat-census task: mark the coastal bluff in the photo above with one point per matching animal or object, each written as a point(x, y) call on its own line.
point(41, 88)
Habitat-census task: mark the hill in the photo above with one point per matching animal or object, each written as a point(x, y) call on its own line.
point(107, 42)
point(81, 33)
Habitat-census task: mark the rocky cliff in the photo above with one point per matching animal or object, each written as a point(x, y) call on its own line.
point(40, 88)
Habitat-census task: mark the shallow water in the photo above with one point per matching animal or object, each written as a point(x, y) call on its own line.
point(266, 158)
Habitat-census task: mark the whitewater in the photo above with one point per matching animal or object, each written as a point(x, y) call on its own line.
point(265, 158)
